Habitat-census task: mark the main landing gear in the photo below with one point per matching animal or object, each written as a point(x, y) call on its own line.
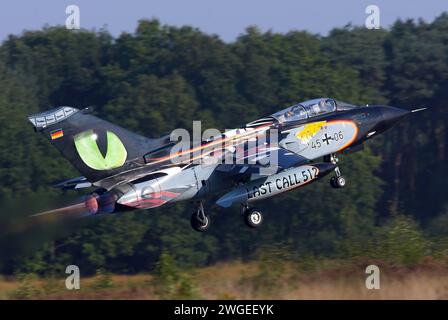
point(199, 220)
point(252, 216)
point(337, 181)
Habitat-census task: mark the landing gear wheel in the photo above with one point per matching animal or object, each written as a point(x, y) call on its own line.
point(199, 220)
point(253, 218)
point(200, 224)
point(338, 182)
point(333, 182)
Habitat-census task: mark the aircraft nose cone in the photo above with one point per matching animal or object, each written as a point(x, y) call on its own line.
point(392, 115)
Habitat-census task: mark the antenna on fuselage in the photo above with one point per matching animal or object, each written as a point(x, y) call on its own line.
point(418, 110)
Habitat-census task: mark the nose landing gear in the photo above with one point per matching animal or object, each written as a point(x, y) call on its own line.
point(337, 181)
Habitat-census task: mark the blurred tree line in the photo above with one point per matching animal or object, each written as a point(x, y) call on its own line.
point(162, 77)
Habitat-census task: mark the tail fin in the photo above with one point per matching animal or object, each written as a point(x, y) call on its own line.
point(95, 147)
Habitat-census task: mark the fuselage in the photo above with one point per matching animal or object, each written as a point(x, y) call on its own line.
point(308, 137)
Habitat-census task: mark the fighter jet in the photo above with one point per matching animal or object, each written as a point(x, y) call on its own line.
point(269, 156)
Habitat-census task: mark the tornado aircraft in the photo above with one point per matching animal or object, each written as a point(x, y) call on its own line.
point(264, 158)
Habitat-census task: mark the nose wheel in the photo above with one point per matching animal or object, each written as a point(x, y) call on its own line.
point(337, 181)
point(199, 220)
point(252, 217)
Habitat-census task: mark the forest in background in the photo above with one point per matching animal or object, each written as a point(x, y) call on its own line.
point(161, 77)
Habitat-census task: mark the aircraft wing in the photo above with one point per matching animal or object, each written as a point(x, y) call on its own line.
point(263, 163)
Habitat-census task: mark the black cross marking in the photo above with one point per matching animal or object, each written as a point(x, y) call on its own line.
point(326, 139)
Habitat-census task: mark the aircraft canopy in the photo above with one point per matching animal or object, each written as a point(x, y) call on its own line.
point(310, 108)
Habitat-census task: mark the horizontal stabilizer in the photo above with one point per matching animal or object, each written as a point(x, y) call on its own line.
point(74, 183)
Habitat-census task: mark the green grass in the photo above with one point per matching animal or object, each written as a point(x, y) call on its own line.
point(326, 279)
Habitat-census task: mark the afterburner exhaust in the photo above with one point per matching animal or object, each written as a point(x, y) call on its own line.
point(91, 204)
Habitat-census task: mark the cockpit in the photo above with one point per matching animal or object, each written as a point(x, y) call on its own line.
point(310, 108)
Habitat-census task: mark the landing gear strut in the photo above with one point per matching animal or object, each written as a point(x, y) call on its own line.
point(337, 181)
point(199, 220)
point(252, 216)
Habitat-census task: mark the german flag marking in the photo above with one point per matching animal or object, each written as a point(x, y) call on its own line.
point(56, 134)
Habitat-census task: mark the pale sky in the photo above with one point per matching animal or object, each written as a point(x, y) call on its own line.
point(227, 18)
